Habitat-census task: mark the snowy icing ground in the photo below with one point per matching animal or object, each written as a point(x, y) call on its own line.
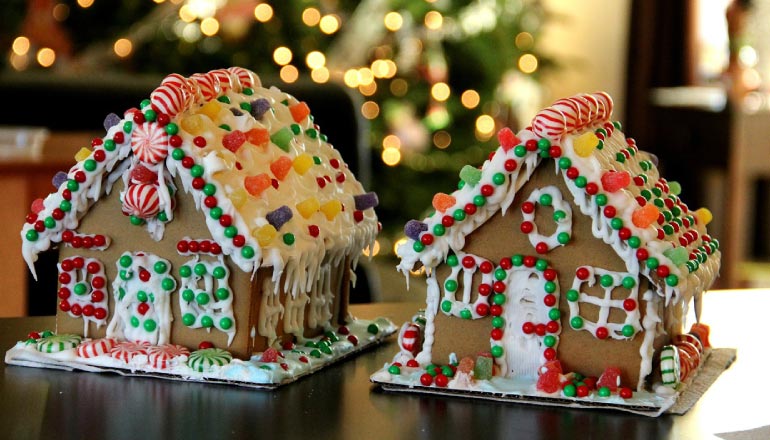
point(269, 369)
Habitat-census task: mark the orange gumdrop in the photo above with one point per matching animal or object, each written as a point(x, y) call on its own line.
point(258, 136)
point(645, 215)
point(256, 184)
point(442, 202)
point(299, 111)
point(281, 167)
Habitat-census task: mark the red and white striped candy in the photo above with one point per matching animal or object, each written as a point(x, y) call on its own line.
point(607, 104)
point(410, 337)
point(168, 99)
point(149, 142)
point(206, 85)
point(96, 347)
point(175, 79)
point(125, 351)
point(222, 79)
point(570, 110)
point(243, 77)
point(141, 200)
point(549, 123)
point(160, 356)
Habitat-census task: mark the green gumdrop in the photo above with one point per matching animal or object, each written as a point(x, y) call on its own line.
point(674, 188)
point(482, 370)
point(471, 175)
point(282, 138)
point(678, 255)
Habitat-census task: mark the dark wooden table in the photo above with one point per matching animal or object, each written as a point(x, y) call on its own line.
point(341, 403)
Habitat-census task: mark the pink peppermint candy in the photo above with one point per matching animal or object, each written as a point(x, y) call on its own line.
point(125, 351)
point(96, 347)
point(141, 200)
point(149, 142)
point(160, 356)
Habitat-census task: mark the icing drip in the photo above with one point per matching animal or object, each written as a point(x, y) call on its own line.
point(321, 298)
point(294, 315)
point(270, 312)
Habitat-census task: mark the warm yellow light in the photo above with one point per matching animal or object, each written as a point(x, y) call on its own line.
point(282, 55)
point(46, 57)
point(289, 73)
point(186, 14)
point(399, 87)
point(20, 45)
point(392, 68)
point(365, 76)
point(393, 21)
point(320, 75)
point(485, 124)
point(440, 91)
point(391, 156)
point(209, 26)
point(315, 59)
point(470, 98)
point(524, 41)
point(85, 3)
point(434, 20)
point(370, 109)
point(375, 249)
point(19, 62)
point(61, 12)
point(398, 243)
point(351, 78)
point(379, 68)
point(329, 24)
point(442, 139)
point(263, 12)
point(191, 32)
point(123, 47)
point(311, 16)
point(391, 141)
point(527, 63)
point(368, 89)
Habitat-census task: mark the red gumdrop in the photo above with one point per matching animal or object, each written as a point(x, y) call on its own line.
point(256, 184)
point(549, 382)
point(37, 206)
point(141, 174)
point(613, 181)
point(610, 378)
point(281, 167)
point(233, 140)
point(269, 355)
point(554, 365)
point(507, 139)
point(590, 382)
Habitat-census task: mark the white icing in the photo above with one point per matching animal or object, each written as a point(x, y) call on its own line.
point(270, 312)
point(82, 278)
point(206, 303)
point(563, 225)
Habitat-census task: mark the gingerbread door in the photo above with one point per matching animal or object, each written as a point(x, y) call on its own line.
point(523, 350)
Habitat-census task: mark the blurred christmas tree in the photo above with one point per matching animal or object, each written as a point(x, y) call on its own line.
point(438, 78)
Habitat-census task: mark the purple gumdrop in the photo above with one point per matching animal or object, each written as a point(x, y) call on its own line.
point(235, 111)
point(278, 217)
point(414, 228)
point(654, 159)
point(111, 120)
point(59, 178)
point(366, 201)
point(259, 107)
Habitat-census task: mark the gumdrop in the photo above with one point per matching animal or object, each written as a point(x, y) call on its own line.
point(644, 216)
point(211, 109)
point(238, 197)
point(610, 379)
point(613, 181)
point(282, 138)
point(141, 174)
point(256, 184)
point(111, 120)
point(37, 206)
point(585, 145)
point(414, 228)
point(466, 365)
point(302, 163)
point(280, 167)
point(677, 255)
point(674, 188)
point(299, 111)
point(442, 202)
point(507, 139)
point(269, 355)
point(549, 382)
point(278, 217)
point(704, 216)
point(331, 209)
point(654, 158)
point(236, 112)
point(366, 201)
point(471, 175)
point(553, 365)
point(82, 154)
point(59, 178)
point(265, 234)
point(193, 124)
point(259, 107)
point(233, 140)
point(590, 382)
point(258, 137)
point(308, 207)
point(484, 368)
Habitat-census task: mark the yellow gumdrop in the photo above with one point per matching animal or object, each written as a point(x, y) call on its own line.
point(238, 197)
point(211, 109)
point(82, 154)
point(193, 124)
point(704, 215)
point(331, 209)
point(308, 207)
point(586, 144)
point(265, 234)
point(302, 163)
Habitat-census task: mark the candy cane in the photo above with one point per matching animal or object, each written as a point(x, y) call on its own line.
point(168, 98)
point(572, 114)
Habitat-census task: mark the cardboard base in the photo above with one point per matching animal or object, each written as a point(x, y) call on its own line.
point(500, 389)
point(291, 364)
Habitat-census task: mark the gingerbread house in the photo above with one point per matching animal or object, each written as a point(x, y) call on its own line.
point(565, 252)
point(209, 234)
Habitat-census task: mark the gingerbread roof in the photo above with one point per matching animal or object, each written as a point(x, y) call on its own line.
point(634, 210)
point(272, 189)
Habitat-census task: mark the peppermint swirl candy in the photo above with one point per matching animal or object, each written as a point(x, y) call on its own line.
point(96, 347)
point(222, 79)
point(149, 142)
point(141, 200)
point(206, 359)
point(57, 343)
point(160, 356)
point(125, 351)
